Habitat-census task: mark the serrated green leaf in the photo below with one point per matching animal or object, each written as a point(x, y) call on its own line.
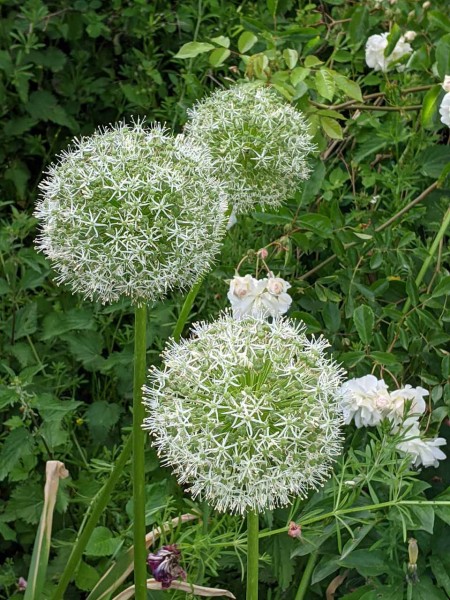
point(18, 443)
point(384, 358)
point(193, 49)
point(246, 40)
point(364, 320)
point(102, 543)
point(392, 39)
point(86, 577)
point(359, 24)
point(219, 56)
point(299, 74)
point(325, 83)
point(430, 107)
point(101, 416)
point(443, 56)
point(221, 40)
point(442, 288)
point(332, 128)
point(319, 224)
point(312, 61)
point(349, 87)
point(290, 57)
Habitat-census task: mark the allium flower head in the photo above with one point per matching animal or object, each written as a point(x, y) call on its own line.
point(259, 140)
point(131, 211)
point(247, 412)
point(261, 298)
point(375, 47)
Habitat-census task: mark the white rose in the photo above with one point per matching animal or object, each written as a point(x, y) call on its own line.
point(422, 452)
point(244, 296)
point(375, 47)
point(364, 400)
point(276, 285)
point(407, 395)
point(444, 110)
point(446, 83)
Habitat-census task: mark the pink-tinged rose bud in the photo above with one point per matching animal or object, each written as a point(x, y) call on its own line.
point(22, 584)
point(295, 531)
point(263, 253)
point(446, 84)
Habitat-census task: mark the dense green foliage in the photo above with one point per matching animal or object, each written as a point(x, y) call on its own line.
point(352, 243)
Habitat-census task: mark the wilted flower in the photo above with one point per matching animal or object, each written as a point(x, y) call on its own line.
point(294, 530)
point(375, 47)
point(22, 584)
point(260, 143)
point(365, 400)
point(444, 110)
point(407, 397)
point(422, 451)
point(446, 83)
point(131, 211)
point(246, 412)
point(165, 565)
point(261, 298)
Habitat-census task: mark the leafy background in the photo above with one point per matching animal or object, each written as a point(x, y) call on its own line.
point(65, 385)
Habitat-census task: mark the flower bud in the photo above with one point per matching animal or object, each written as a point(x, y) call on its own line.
point(410, 36)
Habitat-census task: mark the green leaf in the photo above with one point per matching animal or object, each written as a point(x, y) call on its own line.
point(442, 288)
point(440, 20)
point(221, 40)
point(368, 563)
point(332, 128)
point(384, 358)
point(86, 577)
point(312, 61)
point(349, 87)
point(57, 323)
point(18, 444)
point(430, 107)
point(298, 75)
point(290, 57)
point(327, 565)
point(359, 25)
point(101, 416)
point(325, 83)
point(426, 590)
point(102, 543)
point(443, 56)
point(364, 320)
point(271, 219)
point(86, 348)
point(219, 56)
point(312, 324)
point(272, 6)
point(393, 37)
point(193, 49)
point(246, 40)
point(441, 573)
point(321, 225)
point(424, 517)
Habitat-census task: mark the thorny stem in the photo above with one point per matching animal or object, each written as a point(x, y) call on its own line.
point(140, 552)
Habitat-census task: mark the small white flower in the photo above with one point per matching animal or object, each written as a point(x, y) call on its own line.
point(423, 452)
point(259, 298)
point(446, 84)
point(410, 36)
point(399, 399)
point(365, 400)
point(375, 47)
point(444, 110)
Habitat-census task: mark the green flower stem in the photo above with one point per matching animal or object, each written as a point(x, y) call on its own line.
point(303, 587)
point(252, 555)
point(97, 508)
point(186, 310)
point(140, 552)
point(426, 263)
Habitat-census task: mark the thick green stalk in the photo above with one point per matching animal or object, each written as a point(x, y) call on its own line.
point(304, 583)
point(186, 310)
point(140, 552)
point(252, 555)
point(426, 263)
point(98, 507)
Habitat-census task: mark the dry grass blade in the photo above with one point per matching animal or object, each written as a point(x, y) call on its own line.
point(198, 590)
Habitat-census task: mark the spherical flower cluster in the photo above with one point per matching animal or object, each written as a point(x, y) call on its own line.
point(261, 298)
point(131, 211)
point(260, 142)
point(375, 47)
point(444, 109)
point(246, 412)
point(367, 401)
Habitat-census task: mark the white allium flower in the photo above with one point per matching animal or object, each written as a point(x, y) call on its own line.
point(446, 84)
point(247, 412)
point(366, 400)
point(259, 298)
point(259, 141)
point(444, 110)
point(131, 211)
point(422, 451)
point(375, 47)
point(410, 397)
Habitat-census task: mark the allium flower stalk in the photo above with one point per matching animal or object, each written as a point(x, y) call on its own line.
point(131, 211)
point(259, 141)
point(247, 413)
